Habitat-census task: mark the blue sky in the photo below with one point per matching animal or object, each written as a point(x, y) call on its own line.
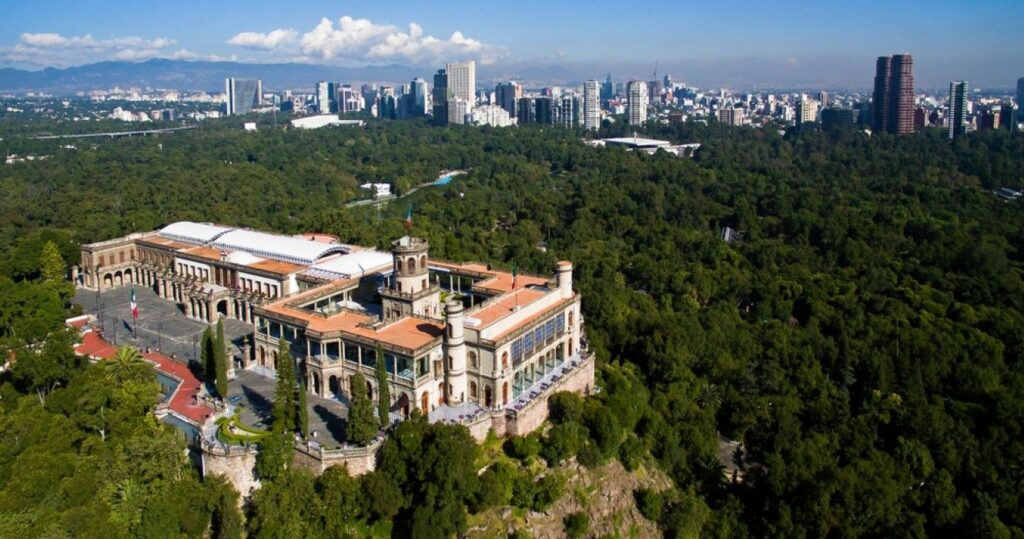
point(797, 42)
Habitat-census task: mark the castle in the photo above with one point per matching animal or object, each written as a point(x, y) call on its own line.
point(460, 343)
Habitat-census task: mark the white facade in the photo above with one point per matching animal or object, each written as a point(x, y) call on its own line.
point(636, 106)
point(462, 82)
point(591, 105)
point(492, 115)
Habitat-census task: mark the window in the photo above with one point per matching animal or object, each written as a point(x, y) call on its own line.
point(121, 256)
point(398, 265)
point(411, 265)
point(473, 361)
point(504, 360)
point(569, 323)
point(423, 284)
point(423, 262)
point(451, 363)
point(102, 261)
point(472, 390)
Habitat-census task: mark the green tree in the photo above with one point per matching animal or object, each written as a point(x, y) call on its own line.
point(576, 524)
point(41, 371)
point(220, 362)
point(302, 411)
point(54, 272)
point(383, 392)
point(208, 354)
point(285, 391)
point(341, 499)
point(362, 427)
point(127, 365)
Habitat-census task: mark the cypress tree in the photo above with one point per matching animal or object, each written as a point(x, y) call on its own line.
point(362, 426)
point(285, 390)
point(207, 356)
point(383, 392)
point(302, 411)
point(221, 362)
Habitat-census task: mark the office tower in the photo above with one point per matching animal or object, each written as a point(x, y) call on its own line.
point(542, 112)
point(806, 111)
point(462, 81)
point(731, 116)
point(524, 111)
point(668, 82)
point(636, 102)
point(591, 105)
point(348, 100)
point(506, 95)
point(607, 90)
point(1020, 93)
point(417, 98)
point(957, 108)
point(893, 98)
point(567, 111)
point(440, 95)
point(242, 95)
point(823, 99)
point(920, 118)
point(988, 119)
point(323, 97)
point(1008, 117)
point(836, 119)
point(654, 91)
point(458, 110)
point(369, 92)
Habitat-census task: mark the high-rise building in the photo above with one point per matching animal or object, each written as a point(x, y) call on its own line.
point(836, 119)
point(957, 108)
point(462, 81)
point(458, 110)
point(323, 97)
point(568, 111)
point(1008, 116)
point(524, 111)
point(893, 98)
point(636, 102)
point(591, 105)
point(542, 110)
point(806, 111)
point(506, 95)
point(440, 95)
point(731, 116)
point(607, 90)
point(242, 95)
point(989, 119)
point(1020, 93)
point(823, 99)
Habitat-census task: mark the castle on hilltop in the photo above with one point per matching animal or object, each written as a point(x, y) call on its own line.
point(460, 343)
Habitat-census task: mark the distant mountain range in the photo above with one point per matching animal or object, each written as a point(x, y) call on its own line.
point(209, 76)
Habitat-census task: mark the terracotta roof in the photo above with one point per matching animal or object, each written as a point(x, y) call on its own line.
point(165, 242)
point(543, 314)
point(182, 399)
point(93, 346)
point(496, 280)
point(277, 266)
point(505, 306)
point(208, 253)
point(410, 333)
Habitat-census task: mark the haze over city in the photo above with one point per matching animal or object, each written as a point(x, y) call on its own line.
point(736, 44)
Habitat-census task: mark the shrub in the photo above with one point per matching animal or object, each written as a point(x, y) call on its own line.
point(576, 524)
point(563, 442)
point(631, 452)
point(522, 447)
point(590, 456)
point(564, 407)
point(649, 502)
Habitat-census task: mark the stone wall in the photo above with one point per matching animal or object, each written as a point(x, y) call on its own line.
point(237, 464)
point(522, 422)
point(360, 460)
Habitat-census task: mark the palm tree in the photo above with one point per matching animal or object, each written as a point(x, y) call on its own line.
point(127, 364)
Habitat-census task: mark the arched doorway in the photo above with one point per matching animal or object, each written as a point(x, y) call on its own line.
point(425, 402)
point(403, 404)
point(128, 276)
point(273, 357)
point(316, 384)
point(333, 386)
point(488, 397)
point(119, 278)
point(222, 307)
point(369, 390)
point(263, 357)
point(504, 393)
point(108, 281)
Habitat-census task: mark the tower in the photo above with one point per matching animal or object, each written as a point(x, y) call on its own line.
point(411, 292)
point(637, 102)
point(957, 109)
point(893, 98)
point(563, 276)
point(455, 345)
point(591, 105)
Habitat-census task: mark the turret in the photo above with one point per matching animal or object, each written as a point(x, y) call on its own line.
point(410, 260)
point(563, 273)
point(455, 347)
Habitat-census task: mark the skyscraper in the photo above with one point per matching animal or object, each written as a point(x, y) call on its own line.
point(506, 95)
point(806, 111)
point(957, 108)
point(636, 102)
point(324, 97)
point(462, 81)
point(591, 105)
point(1020, 93)
point(440, 95)
point(893, 99)
point(607, 90)
point(1008, 116)
point(242, 95)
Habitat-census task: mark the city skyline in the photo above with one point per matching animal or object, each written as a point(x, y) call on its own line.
point(822, 45)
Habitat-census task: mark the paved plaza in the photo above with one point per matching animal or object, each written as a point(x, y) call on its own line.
point(162, 325)
point(255, 392)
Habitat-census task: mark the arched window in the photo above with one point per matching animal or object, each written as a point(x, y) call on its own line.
point(569, 323)
point(472, 390)
point(398, 265)
point(504, 393)
point(411, 264)
point(504, 360)
point(473, 361)
point(451, 363)
point(423, 262)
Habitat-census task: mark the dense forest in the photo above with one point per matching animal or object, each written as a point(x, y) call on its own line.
point(864, 338)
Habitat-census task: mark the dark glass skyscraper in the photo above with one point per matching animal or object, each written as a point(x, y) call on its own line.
point(893, 100)
point(1020, 93)
point(440, 96)
point(957, 108)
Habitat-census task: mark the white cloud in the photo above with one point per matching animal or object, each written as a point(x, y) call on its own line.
point(271, 41)
point(52, 49)
point(363, 40)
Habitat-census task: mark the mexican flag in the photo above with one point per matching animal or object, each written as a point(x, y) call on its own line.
point(135, 306)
